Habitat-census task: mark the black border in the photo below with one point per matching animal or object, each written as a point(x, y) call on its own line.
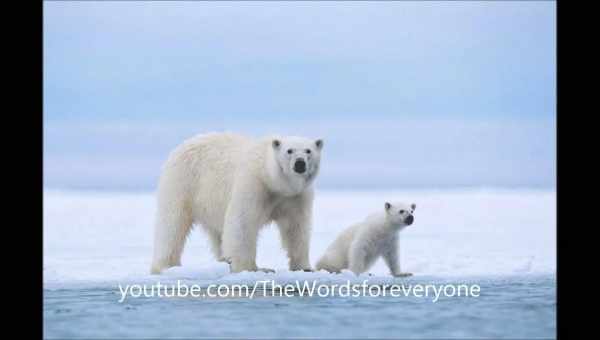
point(24, 135)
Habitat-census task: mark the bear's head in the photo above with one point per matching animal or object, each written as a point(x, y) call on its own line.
point(400, 214)
point(297, 160)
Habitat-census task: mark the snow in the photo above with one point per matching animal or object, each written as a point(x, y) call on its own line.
point(105, 238)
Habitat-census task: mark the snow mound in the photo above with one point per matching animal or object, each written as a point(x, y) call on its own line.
point(105, 238)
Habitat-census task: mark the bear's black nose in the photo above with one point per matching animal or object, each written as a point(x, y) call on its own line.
point(300, 166)
point(409, 220)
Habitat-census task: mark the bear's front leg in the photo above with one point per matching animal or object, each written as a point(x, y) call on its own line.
point(239, 245)
point(240, 233)
point(391, 258)
point(293, 219)
point(295, 238)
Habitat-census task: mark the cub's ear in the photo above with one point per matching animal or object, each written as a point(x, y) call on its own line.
point(413, 206)
point(319, 144)
point(387, 206)
point(276, 143)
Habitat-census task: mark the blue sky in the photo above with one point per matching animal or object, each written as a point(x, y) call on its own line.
point(405, 94)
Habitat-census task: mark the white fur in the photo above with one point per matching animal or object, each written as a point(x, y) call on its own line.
point(361, 244)
point(233, 185)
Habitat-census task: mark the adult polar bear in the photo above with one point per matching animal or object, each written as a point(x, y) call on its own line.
point(233, 185)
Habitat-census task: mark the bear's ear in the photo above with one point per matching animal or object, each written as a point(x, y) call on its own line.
point(413, 206)
point(387, 206)
point(319, 144)
point(276, 143)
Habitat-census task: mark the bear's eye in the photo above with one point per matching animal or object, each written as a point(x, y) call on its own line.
point(401, 211)
point(290, 151)
point(307, 150)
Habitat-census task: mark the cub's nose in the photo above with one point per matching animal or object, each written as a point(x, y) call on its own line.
point(409, 220)
point(300, 166)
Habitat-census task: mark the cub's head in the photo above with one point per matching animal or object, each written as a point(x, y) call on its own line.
point(297, 157)
point(400, 214)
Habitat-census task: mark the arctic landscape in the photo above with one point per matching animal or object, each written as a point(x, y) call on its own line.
point(501, 240)
point(450, 105)
point(101, 239)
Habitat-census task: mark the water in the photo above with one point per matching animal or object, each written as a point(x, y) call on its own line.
point(509, 307)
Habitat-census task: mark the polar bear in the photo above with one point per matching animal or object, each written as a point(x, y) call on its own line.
point(233, 185)
point(361, 244)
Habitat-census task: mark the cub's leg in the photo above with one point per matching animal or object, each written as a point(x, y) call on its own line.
point(392, 260)
point(357, 259)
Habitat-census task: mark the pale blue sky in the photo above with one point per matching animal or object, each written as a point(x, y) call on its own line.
point(426, 94)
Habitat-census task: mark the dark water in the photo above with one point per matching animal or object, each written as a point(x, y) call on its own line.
point(517, 307)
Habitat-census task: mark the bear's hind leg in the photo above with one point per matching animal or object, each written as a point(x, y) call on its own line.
point(215, 240)
point(325, 263)
point(170, 234)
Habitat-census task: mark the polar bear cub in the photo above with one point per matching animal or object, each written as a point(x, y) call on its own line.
point(361, 244)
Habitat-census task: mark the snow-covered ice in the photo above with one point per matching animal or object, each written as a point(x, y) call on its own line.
point(105, 238)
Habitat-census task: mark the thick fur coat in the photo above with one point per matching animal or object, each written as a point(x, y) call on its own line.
point(232, 185)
